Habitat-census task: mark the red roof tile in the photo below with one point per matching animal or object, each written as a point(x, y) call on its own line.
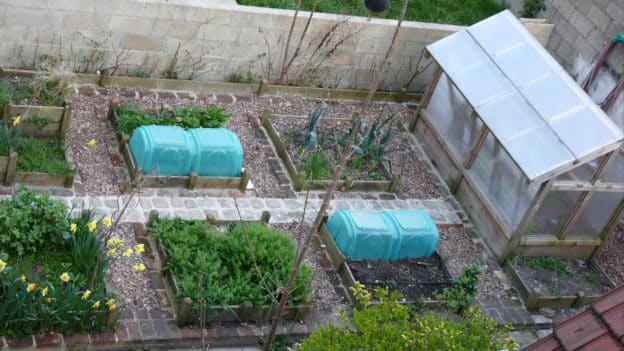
point(603, 343)
point(579, 330)
point(549, 343)
point(609, 300)
point(597, 329)
point(614, 318)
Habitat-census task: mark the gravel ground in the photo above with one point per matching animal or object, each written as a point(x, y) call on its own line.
point(98, 178)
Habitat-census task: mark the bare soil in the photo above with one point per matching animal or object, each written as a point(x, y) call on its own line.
point(581, 277)
point(414, 278)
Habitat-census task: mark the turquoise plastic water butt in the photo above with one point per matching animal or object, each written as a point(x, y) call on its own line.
point(388, 235)
point(162, 150)
point(219, 152)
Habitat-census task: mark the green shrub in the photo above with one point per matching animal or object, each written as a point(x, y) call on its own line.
point(532, 8)
point(464, 289)
point(391, 325)
point(38, 156)
point(5, 94)
point(11, 139)
point(229, 274)
point(29, 220)
point(129, 118)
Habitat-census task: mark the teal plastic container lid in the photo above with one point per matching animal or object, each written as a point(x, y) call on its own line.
point(389, 235)
point(162, 150)
point(219, 152)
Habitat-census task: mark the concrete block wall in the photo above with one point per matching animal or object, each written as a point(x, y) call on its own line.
point(218, 37)
point(582, 29)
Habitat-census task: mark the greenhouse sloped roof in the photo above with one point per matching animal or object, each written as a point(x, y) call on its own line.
point(544, 120)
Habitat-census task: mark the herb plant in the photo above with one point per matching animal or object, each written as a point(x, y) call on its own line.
point(229, 275)
point(130, 118)
point(38, 156)
point(464, 289)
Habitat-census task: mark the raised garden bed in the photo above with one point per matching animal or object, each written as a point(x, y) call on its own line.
point(191, 181)
point(40, 121)
point(417, 279)
point(186, 310)
point(286, 150)
point(10, 174)
point(559, 283)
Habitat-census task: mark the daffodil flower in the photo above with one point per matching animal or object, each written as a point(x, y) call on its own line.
point(112, 307)
point(139, 249)
point(107, 221)
point(73, 227)
point(2, 265)
point(91, 143)
point(128, 253)
point(96, 304)
point(91, 226)
point(17, 120)
point(31, 287)
point(65, 277)
point(110, 242)
point(23, 278)
point(119, 242)
point(139, 267)
point(110, 302)
point(112, 252)
point(44, 292)
point(86, 295)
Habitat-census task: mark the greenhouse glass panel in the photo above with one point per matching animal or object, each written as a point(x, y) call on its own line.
point(498, 59)
point(535, 147)
point(596, 215)
point(614, 172)
point(451, 116)
point(501, 181)
point(554, 212)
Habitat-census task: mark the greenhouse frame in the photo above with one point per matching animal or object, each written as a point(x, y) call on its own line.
point(536, 164)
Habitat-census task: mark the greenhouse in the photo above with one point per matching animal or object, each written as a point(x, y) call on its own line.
point(537, 165)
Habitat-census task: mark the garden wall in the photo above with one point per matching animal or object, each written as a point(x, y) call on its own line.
point(212, 39)
point(582, 28)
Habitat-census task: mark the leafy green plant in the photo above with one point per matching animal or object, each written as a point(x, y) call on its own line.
point(130, 118)
point(311, 138)
point(317, 166)
point(38, 156)
point(51, 88)
point(241, 77)
point(5, 94)
point(11, 139)
point(391, 325)
point(38, 122)
point(558, 265)
point(532, 8)
point(141, 74)
point(464, 289)
point(231, 277)
point(29, 220)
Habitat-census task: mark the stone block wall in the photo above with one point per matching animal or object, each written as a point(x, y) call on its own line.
point(212, 38)
point(582, 30)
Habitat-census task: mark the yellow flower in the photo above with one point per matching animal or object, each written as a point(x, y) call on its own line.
point(128, 253)
point(86, 295)
point(44, 292)
point(139, 249)
point(65, 277)
point(110, 302)
point(112, 307)
point(2, 265)
point(112, 252)
point(119, 242)
point(73, 227)
point(92, 225)
point(110, 242)
point(96, 304)
point(49, 299)
point(23, 278)
point(139, 267)
point(107, 221)
point(17, 120)
point(91, 143)
point(31, 287)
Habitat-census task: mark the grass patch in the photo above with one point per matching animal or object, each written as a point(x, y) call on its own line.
point(459, 12)
point(38, 156)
